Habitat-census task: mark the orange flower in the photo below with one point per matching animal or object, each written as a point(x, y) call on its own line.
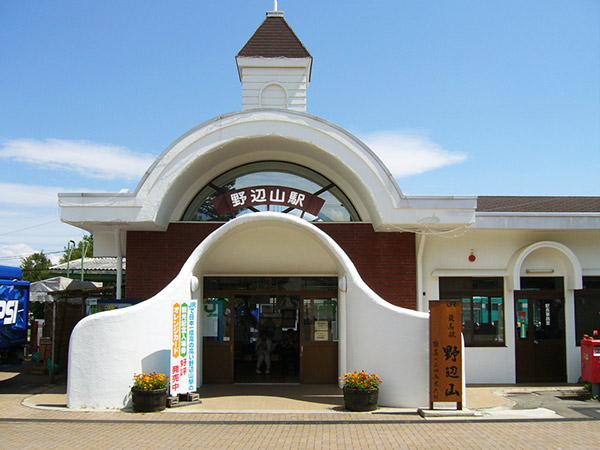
point(150, 381)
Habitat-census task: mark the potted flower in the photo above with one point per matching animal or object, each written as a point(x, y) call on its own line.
point(361, 391)
point(149, 392)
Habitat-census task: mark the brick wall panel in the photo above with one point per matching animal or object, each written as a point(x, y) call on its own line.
point(385, 261)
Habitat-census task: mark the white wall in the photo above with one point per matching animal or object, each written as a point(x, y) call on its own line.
point(293, 80)
point(106, 349)
point(494, 250)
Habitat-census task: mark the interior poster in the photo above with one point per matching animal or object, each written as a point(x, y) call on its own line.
point(184, 316)
point(445, 348)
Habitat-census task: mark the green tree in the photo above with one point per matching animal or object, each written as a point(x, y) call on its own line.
point(35, 267)
point(78, 249)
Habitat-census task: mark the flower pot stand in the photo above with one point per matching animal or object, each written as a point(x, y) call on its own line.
point(149, 401)
point(361, 399)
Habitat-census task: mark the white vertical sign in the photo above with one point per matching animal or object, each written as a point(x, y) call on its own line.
point(184, 316)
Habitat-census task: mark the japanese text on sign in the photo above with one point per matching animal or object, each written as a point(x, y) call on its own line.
point(268, 195)
point(183, 356)
point(445, 327)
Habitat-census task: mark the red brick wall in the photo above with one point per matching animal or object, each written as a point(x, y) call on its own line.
point(154, 258)
point(385, 261)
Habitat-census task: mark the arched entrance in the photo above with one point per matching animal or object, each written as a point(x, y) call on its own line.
point(139, 339)
point(543, 276)
point(270, 329)
point(270, 303)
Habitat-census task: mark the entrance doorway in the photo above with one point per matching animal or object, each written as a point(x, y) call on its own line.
point(540, 331)
point(270, 330)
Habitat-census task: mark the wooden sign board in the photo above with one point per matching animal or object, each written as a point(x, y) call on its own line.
point(445, 350)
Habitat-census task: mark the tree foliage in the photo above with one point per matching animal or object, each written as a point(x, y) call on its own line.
point(35, 267)
point(78, 249)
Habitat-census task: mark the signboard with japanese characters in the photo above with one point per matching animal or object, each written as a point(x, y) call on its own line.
point(445, 347)
point(184, 316)
point(250, 197)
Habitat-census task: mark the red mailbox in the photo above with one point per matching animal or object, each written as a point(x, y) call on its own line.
point(590, 360)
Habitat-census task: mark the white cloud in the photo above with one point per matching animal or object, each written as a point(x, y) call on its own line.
point(90, 159)
point(407, 154)
point(29, 195)
point(32, 233)
point(11, 254)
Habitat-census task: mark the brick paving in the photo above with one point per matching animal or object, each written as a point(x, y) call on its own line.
point(318, 427)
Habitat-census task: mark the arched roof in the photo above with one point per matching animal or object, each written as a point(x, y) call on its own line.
point(242, 137)
point(255, 135)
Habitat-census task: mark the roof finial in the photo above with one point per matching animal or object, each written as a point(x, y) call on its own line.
point(275, 12)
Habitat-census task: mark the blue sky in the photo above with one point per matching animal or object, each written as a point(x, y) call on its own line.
point(458, 98)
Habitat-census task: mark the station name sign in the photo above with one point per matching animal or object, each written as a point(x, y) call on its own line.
point(250, 197)
point(445, 347)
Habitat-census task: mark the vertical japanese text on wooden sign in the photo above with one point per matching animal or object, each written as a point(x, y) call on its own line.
point(445, 344)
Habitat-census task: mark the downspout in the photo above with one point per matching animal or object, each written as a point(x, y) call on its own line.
point(420, 250)
point(70, 247)
point(118, 293)
point(84, 248)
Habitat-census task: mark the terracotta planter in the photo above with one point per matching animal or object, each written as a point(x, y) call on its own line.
point(149, 401)
point(361, 399)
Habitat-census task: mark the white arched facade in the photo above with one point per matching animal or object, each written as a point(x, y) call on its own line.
point(245, 137)
point(107, 349)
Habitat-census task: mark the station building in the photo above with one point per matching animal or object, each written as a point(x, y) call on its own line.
point(283, 223)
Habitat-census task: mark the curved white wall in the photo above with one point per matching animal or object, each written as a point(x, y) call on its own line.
point(108, 348)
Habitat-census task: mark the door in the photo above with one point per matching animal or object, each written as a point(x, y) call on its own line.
point(319, 340)
point(540, 337)
point(217, 342)
point(274, 320)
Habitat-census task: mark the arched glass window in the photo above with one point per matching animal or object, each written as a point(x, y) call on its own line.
point(336, 207)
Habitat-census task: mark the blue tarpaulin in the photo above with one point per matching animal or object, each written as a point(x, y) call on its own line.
point(14, 299)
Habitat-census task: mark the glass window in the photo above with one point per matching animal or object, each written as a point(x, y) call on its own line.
point(292, 284)
point(587, 308)
point(482, 307)
point(337, 207)
point(236, 283)
point(320, 320)
point(216, 319)
point(541, 283)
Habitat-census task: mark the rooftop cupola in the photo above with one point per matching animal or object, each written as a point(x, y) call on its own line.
point(274, 66)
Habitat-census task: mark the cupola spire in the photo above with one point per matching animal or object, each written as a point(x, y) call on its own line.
point(274, 66)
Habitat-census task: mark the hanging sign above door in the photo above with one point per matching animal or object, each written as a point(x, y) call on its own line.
point(249, 197)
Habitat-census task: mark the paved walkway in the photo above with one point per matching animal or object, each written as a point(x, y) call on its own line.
point(32, 415)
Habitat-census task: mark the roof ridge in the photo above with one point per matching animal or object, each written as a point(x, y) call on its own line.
point(274, 38)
